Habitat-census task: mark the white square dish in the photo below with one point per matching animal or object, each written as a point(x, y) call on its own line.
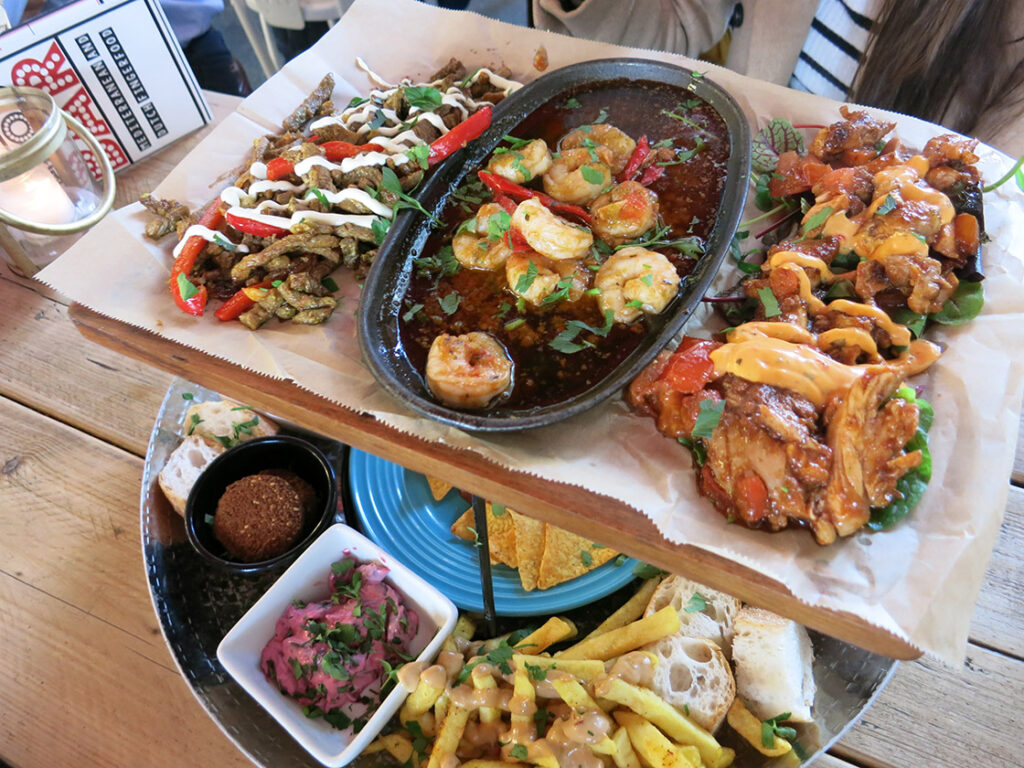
point(307, 580)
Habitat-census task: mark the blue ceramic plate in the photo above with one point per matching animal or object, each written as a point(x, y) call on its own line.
point(398, 513)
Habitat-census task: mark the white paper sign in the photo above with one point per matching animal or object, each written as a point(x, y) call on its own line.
point(116, 66)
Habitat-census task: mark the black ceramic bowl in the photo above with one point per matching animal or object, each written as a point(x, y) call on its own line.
point(382, 305)
point(249, 458)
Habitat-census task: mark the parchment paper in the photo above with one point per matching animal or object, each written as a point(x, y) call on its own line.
point(918, 581)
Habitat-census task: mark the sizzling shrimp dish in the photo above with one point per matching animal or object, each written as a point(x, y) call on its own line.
point(551, 260)
point(320, 195)
point(800, 413)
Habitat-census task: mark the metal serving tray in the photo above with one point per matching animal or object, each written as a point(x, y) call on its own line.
point(197, 604)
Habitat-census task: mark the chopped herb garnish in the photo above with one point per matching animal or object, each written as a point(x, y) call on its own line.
point(697, 603)
point(187, 396)
point(817, 220)
point(647, 571)
point(708, 418)
point(424, 97)
point(572, 103)
point(411, 313)
point(887, 205)
point(518, 752)
point(537, 672)
point(319, 196)
point(379, 227)
point(185, 287)
point(378, 119)
point(602, 116)
point(592, 175)
point(450, 303)
point(587, 559)
point(513, 324)
point(419, 153)
point(526, 279)
point(770, 728)
point(769, 302)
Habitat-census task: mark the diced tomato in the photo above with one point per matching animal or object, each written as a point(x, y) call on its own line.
point(253, 227)
point(710, 487)
point(798, 174)
point(279, 168)
point(690, 367)
point(752, 498)
point(967, 234)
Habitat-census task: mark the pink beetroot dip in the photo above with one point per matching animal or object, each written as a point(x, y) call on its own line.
point(335, 657)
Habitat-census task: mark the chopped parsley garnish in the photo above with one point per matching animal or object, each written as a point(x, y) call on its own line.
point(411, 313)
point(379, 227)
point(537, 672)
point(770, 728)
point(647, 571)
point(356, 101)
point(708, 418)
point(769, 302)
point(587, 559)
point(390, 182)
point(185, 287)
point(889, 204)
point(424, 97)
point(319, 196)
point(511, 325)
point(572, 103)
point(696, 604)
point(591, 175)
point(817, 220)
point(519, 752)
point(378, 119)
point(419, 153)
point(526, 279)
point(602, 116)
point(450, 303)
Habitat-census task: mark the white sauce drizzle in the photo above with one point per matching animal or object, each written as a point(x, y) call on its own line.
point(331, 219)
point(353, 193)
point(210, 235)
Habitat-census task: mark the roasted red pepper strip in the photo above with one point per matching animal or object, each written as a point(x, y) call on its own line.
point(238, 303)
point(253, 227)
point(506, 202)
point(514, 240)
point(460, 135)
point(339, 150)
point(653, 172)
point(279, 168)
point(690, 367)
point(500, 184)
point(186, 260)
point(640, 153)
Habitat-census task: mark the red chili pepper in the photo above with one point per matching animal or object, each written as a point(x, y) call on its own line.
point(279, 168)
point(653, 172)
point(514, 239)
point(253, 227)
point(186, 260)
point(238, 303)
point(460, 135)
point(640, 153)
point(506, 202)
point(339, 150)
point(500, 184)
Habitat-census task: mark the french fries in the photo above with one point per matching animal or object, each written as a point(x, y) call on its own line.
point(630, 611)
point(749, 726)
point(448, 736)
point(398, 745)
point(674, 723)
point(483, 681)
point(554, 630)
point(624, 639)
point(651, 744)
point(420, 700)
point(586, 670)
point(625, 756)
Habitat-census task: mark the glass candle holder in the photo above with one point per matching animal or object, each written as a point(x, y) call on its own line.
point(48, 197)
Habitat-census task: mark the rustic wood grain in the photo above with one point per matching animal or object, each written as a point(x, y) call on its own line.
point(601, 519)
point(87, 678)
point(932, 716)
point(999, 613)
point(50, 368)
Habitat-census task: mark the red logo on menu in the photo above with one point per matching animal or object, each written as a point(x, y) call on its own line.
point(54, 75)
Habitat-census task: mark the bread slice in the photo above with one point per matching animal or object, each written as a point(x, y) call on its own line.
point(226, 423)
point(183, 468)
point(713, 621)
point(773, 658)
point(694, 676)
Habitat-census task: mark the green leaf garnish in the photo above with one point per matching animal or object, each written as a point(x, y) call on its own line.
point(817, 220)
point(379, 227)
point(769, 302)
point(591, 175)
point(708, 418)
point(889, 204)
point(450, 303)
point(572, 103)
point(770, 728)
point(965, 304)
point(518, 752)
point(185, 287)
point(647, 571)
point(409, 315)
point(771, 141)
point(526, 279)
point(587, 559)
point(697, 603)
point(424, 97)
point(420, 154)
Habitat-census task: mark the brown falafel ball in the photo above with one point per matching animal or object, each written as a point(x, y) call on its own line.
point(258, 517)
point(307, 496)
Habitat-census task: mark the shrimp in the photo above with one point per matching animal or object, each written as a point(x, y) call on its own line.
point(576, 178)
point(472, 245)
point(612, 146)
point(625, 213)
point(524, 164)
point(468, 371)
point(535, 278)
point(635, 281)
point(548, 234)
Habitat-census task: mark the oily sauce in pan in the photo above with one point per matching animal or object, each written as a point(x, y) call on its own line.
point(689, 195)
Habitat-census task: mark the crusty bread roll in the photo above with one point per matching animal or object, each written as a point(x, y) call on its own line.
point(714, 622)
point(226, 423)
point(694, 676)
point(183, 468)
point(772, 657)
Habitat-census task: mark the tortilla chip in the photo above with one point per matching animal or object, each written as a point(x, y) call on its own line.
point(462, 527)
point(529, 548)
point(438, 488)
point(501, 533)
point(567, 556)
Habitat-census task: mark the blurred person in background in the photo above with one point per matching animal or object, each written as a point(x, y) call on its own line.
point(959, 63)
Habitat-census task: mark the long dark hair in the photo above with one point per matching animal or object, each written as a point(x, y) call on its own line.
point(947, 62)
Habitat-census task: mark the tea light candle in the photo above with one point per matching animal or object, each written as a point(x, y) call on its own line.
point(38, 196)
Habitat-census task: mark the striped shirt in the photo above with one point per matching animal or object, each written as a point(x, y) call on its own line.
point(831, 53)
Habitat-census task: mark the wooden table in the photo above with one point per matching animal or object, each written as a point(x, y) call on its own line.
point(87, 679)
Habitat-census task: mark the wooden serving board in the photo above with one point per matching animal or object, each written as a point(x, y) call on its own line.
point(604, 520)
